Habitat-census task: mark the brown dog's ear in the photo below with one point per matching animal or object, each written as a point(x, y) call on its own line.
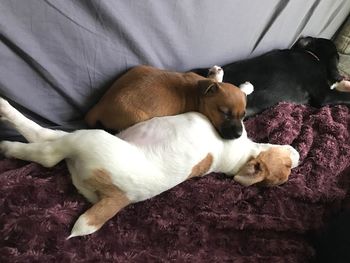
point(207, 87)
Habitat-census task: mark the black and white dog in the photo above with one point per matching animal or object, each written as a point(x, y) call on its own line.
point(306, 73)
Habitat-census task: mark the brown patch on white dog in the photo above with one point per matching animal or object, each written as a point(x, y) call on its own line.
point(202, 167)
point(269, 168)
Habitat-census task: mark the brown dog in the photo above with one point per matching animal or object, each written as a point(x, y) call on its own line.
point(145, 92)
point(269, 168)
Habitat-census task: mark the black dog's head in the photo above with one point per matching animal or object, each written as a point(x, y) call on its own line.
point(325, 51)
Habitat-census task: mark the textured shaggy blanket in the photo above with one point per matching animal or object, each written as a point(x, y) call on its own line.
point(209, 219)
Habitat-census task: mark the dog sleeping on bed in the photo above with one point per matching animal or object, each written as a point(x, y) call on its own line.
point(144, 160)
point(306, 73)
point(144, 92)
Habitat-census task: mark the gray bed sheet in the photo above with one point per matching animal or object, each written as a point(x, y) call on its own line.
point(59, 56)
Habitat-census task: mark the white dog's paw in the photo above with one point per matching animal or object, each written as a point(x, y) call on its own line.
point(82, 227)
point(216, 73)
point(5, 108)
point(294, 155)
point(4, 105)
point(5, 147)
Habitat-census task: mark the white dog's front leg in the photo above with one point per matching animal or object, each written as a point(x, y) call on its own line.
point(28, 128)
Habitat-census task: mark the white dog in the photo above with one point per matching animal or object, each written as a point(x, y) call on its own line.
point(145, 160)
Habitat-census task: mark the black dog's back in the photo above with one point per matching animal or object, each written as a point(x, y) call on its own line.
point(302, 74)
point(275, 77)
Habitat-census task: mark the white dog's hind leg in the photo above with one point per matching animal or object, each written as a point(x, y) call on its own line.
point(95, 217)
point(32, 131)
point(45, 153)
point(111, 201)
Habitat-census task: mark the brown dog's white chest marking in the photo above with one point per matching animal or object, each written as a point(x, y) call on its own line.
point(202, 167)
point(111, 199)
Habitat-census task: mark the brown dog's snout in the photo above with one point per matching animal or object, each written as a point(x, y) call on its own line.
point(231, 129)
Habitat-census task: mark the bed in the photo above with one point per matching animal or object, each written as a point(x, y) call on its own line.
point(58, 57)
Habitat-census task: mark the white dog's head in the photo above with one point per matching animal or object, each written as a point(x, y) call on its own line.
point(269, 168)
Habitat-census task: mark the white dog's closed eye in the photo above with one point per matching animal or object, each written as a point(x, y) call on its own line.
point(247, 87)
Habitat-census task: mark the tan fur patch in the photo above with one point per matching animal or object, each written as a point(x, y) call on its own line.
point(112, 199)
point(278, 165)
point(202, 167)
point(271, 167)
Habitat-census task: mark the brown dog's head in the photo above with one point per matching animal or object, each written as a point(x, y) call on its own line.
point(224, 104)
point(269, 168)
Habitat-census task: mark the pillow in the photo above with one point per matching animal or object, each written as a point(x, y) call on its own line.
point(342, 42)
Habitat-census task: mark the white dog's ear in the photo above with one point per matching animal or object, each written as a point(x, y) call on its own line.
point(247, 87)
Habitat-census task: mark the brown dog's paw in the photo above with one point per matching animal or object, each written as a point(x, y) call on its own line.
point(216, 73)
point(342, 86)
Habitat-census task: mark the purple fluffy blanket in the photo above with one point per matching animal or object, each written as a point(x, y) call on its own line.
point(209, 219)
